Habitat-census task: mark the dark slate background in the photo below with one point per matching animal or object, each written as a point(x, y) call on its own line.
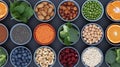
point(56, 22)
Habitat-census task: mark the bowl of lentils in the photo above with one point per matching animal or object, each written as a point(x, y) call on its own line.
point(92, 10)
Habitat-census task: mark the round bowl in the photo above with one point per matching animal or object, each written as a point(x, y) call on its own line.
point(96, 19)
point(12, 14)
point(48, 2)
point(99, 40)
point(99, 51)
point(75, 4)
point(41, 43)
point(7, 10)
point(107, 14)
point(7, 34)
point(14, 50)
point(105, 55)
point(48, 48)
point(73, 49)
point(113, 44)
point(20, 24)
point(58, 33)
point(6, 55)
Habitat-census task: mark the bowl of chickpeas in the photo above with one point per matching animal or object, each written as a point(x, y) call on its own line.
point(44, 57)
point(92, 34)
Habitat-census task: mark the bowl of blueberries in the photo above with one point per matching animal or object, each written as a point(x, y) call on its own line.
point(20, 57)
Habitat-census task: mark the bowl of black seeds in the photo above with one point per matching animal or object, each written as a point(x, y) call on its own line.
point(20, 34)
point(21, 57)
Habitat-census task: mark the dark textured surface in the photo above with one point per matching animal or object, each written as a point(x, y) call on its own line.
point(56, 22)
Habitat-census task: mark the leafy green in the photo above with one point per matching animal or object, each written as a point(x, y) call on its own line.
point(115, 65)
point(21, 10)
point(110, 56)
point(69, 34)
point(3, 56)
point(118, 55)
point(73, 36)
point(2, 59)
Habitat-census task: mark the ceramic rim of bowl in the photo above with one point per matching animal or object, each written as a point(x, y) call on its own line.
point(48, 48)
point(20, 47)
point(44, 44)
point(75, 51)
point(16, 18)
point(6, 55)
point(7, 34)
point(99, 40)
point(41, 2)
point(75, 26)
point(102, 59)
point(7, 10)
point(106, 52)
point(97, 18)
point(77, 5)
point(20, 24)
point(107, 13)
point(113, 44)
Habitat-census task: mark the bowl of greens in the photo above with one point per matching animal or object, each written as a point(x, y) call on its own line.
point(3, 57)
point(92, 10)
point(112, 57)
point(68, 34)
point(21, 10)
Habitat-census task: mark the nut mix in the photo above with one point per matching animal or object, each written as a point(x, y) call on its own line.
point(68, 10)
point(44, 57)
point(92, 34)
point(45, 10)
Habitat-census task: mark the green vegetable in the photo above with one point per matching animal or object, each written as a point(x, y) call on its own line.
point(92, 10)
point(3, 57)
point(118, 55)
point(69, 34)
point(115, 65)
point(21, 10)
point(110, 56)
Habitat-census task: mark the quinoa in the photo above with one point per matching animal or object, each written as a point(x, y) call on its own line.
point(92, 57)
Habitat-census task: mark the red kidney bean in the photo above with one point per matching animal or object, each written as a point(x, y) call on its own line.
point(68, 57)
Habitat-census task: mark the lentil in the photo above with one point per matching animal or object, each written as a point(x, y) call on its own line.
point(3, 33)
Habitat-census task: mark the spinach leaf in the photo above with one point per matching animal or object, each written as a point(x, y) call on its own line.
point(118, 55)
point(115, 65)
point(73, 33)
point(110, 57)
point(19, 8)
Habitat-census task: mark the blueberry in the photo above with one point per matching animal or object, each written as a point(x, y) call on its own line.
point(16, 51)
point(24, 54)
point(29, 56)
point(19, 56)
point(13, 59)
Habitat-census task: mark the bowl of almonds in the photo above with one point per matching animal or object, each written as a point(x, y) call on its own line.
point(44, 10)
point(68, 10)
point(92, 34)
